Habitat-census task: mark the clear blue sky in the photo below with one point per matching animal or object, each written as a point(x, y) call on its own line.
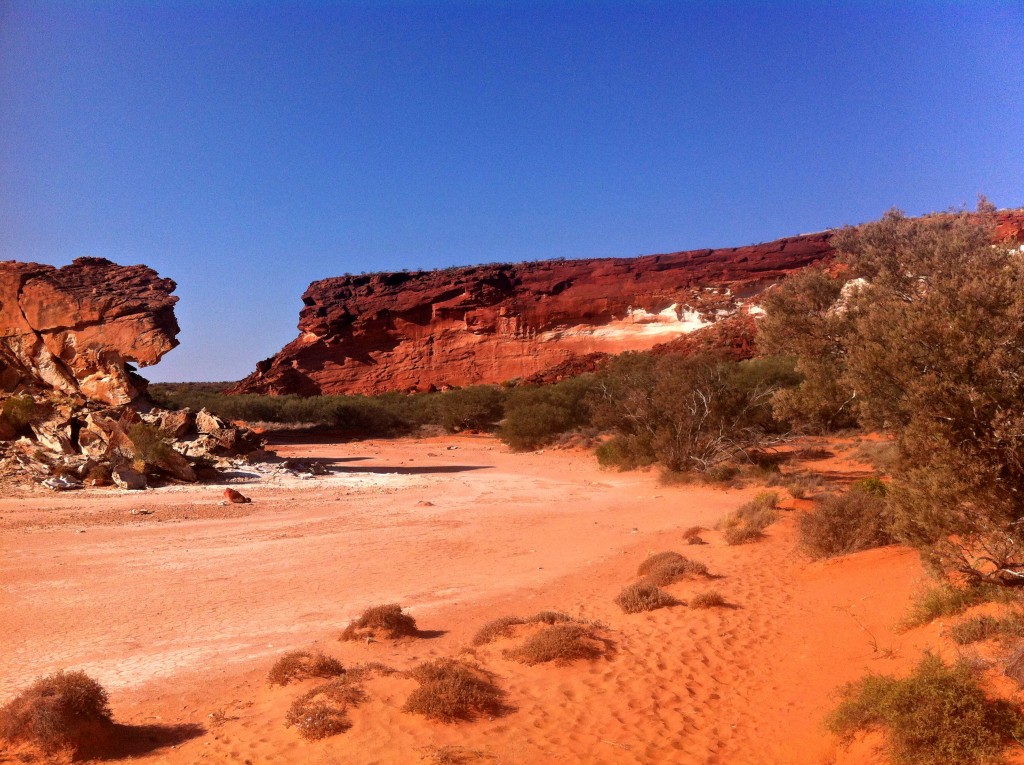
point(245, 149)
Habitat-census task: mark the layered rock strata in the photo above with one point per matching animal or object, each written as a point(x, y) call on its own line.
point(76, 329)
point(432, 329)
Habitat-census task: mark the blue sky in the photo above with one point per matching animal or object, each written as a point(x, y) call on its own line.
point(245, 149)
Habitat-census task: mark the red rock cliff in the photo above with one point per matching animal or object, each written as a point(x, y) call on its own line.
point(74, 329)
point(423, 330)
point(430, 329)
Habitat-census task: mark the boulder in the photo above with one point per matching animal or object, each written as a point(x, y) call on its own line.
point(127, 478)
point(236, 497)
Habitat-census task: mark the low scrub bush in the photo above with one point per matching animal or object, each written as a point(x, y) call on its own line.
point(693, 535)
point(17, 414)
point(643, 596)
point(559, 643)
point(803, 485)
point(748, 522)
point(385, 620)
point(150, 443)
point(300, 665)
point(67, 710)
point(986, 627)
point(708, 599)
point(883, 456)
point(946, 600)
point(937, 715)
point(667, 567)
point(845, 523)
point(504, 626)
point(452, 690)
point(323, 711)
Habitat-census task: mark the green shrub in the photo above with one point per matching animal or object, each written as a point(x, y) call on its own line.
point(18, 412)
point(986, 627)
point(478, 407)
point(65, 710)
point(946, 600)
point(151, 444)
point(939, 715)
point(841, 524)
point(537, 415)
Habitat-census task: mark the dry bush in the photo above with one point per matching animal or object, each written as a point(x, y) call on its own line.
point(692, 535)
point(643, 596)
point(497, 628)
point(946, 600)
point(883, 456)
point(804, 485)
point(1013, 665)
point(841, 524)
point(359, 672)
point(709, 599)
point(669, 572)
point(658, 559)
point(455, 755)
point(748, 522)
point(387, 620)
point(323, 711)
point(451, 690)
point(504, 626)
point(560, 643)
point(65, 710)
point(299, 665)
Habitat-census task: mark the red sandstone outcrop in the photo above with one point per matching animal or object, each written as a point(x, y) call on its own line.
point(426, 330)
point(74, 329)
point(530, 321)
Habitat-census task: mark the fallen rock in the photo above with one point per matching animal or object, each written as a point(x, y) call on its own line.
point(207, 422)
point(127, 478)
point(236, 497)
point(62, 483)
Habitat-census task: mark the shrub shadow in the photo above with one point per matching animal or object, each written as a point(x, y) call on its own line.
point(138, 740)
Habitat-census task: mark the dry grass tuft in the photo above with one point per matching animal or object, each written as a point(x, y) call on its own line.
point(658, 559)
point(452, 690)
point(560, 643)
point(749, 521)
point(692, 535)
point(643, 596)
point(709, 599)
point(504, 626)
point(385, 620)
point(300, 665)
point(65, 710)
point(360, 672)
point(496, 629)
point(323, 711)
point(670, 571)
point(455, 755)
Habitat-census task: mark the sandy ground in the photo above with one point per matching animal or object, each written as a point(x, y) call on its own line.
point(180, 610)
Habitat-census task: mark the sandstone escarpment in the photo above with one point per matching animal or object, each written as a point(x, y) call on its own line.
point(75, 329)
point(426, 330)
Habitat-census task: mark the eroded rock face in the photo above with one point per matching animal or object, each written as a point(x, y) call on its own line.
point(486, 324)
point(74, 329)
point(427, 330)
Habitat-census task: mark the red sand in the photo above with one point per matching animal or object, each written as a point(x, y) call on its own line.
point(180, 612)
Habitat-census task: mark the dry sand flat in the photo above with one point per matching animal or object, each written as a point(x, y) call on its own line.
point(180, 613)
